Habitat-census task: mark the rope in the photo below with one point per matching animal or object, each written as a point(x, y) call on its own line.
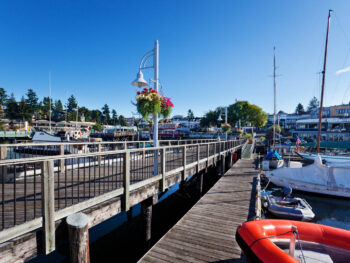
point(301, 249)
point(256, 240)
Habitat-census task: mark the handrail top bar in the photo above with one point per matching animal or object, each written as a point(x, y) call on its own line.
point(91, 143)
point(71, 156)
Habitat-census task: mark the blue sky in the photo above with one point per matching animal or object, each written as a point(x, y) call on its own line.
point(211, 52)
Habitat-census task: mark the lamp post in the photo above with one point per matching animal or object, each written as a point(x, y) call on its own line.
point(220, 119)
point(140, 82)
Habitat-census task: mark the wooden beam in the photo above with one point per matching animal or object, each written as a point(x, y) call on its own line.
point(48, 205)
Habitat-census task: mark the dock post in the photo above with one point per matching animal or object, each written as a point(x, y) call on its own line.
point(222, 164)
point(207, 165)
point(61, 162)
point(48, 205)
point(3, 169)
point(78, 231)
point(146, 209)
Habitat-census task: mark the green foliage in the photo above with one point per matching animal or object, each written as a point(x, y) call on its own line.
point(248, 136)
point(166, 112)
point(190, 114)
point(262, 138)
point(97, 127)
point(32, 101)
point(3, 96)
point(122, 121)
point(226, 127)
point(146, 108)
point(72, 104)
point(12, 110)
point(106, 114)
point(240, 111)
point(299, 108)
point(313, 104)
point(278, 128)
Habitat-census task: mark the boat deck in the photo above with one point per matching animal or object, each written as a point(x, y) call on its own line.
point(207, 232)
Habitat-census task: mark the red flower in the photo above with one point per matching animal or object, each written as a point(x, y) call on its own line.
point(138, 93)
point(154, 91)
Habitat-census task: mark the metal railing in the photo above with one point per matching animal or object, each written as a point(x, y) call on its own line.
point(35, 192)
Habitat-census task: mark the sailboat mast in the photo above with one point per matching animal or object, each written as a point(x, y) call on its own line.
point(274, 98)
point(323, 81)
point(50, 100)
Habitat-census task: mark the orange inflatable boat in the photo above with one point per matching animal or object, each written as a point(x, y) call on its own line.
point(273, 240)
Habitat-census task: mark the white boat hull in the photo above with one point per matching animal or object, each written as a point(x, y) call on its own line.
point(314, 178)
point(331, 160)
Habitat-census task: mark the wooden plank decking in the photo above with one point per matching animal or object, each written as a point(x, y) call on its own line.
point(207, 232)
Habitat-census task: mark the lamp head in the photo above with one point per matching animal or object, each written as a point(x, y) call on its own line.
point(139, 81)
point(219, 119)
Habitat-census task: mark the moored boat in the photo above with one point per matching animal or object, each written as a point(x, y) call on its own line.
point(274, 240)
point(329, 159)
point(294, 208)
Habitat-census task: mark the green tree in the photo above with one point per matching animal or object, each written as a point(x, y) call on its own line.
point(12, 110)
point(86, 112)
point(72, 104)
point(106, 114)
point(257, 116)
point(97, 127)
point(313, 104)
point(122, 121)
point(23, 110)
point(45, 107)
point(32, 101)
point(96, 116)
point(114, 117)
point(210, 119)
point(299, 108)
point(3, 96)
point(190, 114)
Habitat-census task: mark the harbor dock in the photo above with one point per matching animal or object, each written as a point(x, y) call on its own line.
point(207, 232)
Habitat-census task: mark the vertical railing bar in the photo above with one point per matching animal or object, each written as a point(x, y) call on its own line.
point(14, 194)
point(25, 192)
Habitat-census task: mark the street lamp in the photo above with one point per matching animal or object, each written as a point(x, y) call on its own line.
point(141, 82)
point(220, 119)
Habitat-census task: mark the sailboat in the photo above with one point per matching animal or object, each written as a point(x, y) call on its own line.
point(272, 158)
point(317, 177)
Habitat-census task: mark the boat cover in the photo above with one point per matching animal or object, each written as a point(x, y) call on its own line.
point(271, 154)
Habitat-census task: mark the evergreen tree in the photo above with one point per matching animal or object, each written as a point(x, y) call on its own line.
point(3, 97)
point(45, 107)
point(313, 104)
point(190, 114)
point(299, 108)
point(12, 109)
point(122, 121)
point(72, 104)
point(106, 114)
point(114, 117)
point(23, 110)
point(32, 101)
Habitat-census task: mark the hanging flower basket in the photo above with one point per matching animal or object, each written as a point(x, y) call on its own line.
point(150, 102)
point(226, 127)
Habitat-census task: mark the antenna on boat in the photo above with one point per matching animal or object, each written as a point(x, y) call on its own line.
point(323, 80)
point(274, 98)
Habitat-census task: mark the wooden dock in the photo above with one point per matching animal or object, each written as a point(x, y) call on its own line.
point(207, 232)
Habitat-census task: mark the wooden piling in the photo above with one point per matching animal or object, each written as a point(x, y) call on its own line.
point(78, 231)
point(200, 183)
point(146, 209)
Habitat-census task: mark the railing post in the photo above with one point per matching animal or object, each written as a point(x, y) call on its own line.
point(163, 169)
point(48, 205)
point(208, 145)
point(126, 181)
point(184, 163)
point(99, 149)
point(3, 169)
point(198, 156)
point(61, 161)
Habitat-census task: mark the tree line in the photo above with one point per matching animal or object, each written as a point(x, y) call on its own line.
point(241, 111)
point(29, 107)
point(313, 104)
